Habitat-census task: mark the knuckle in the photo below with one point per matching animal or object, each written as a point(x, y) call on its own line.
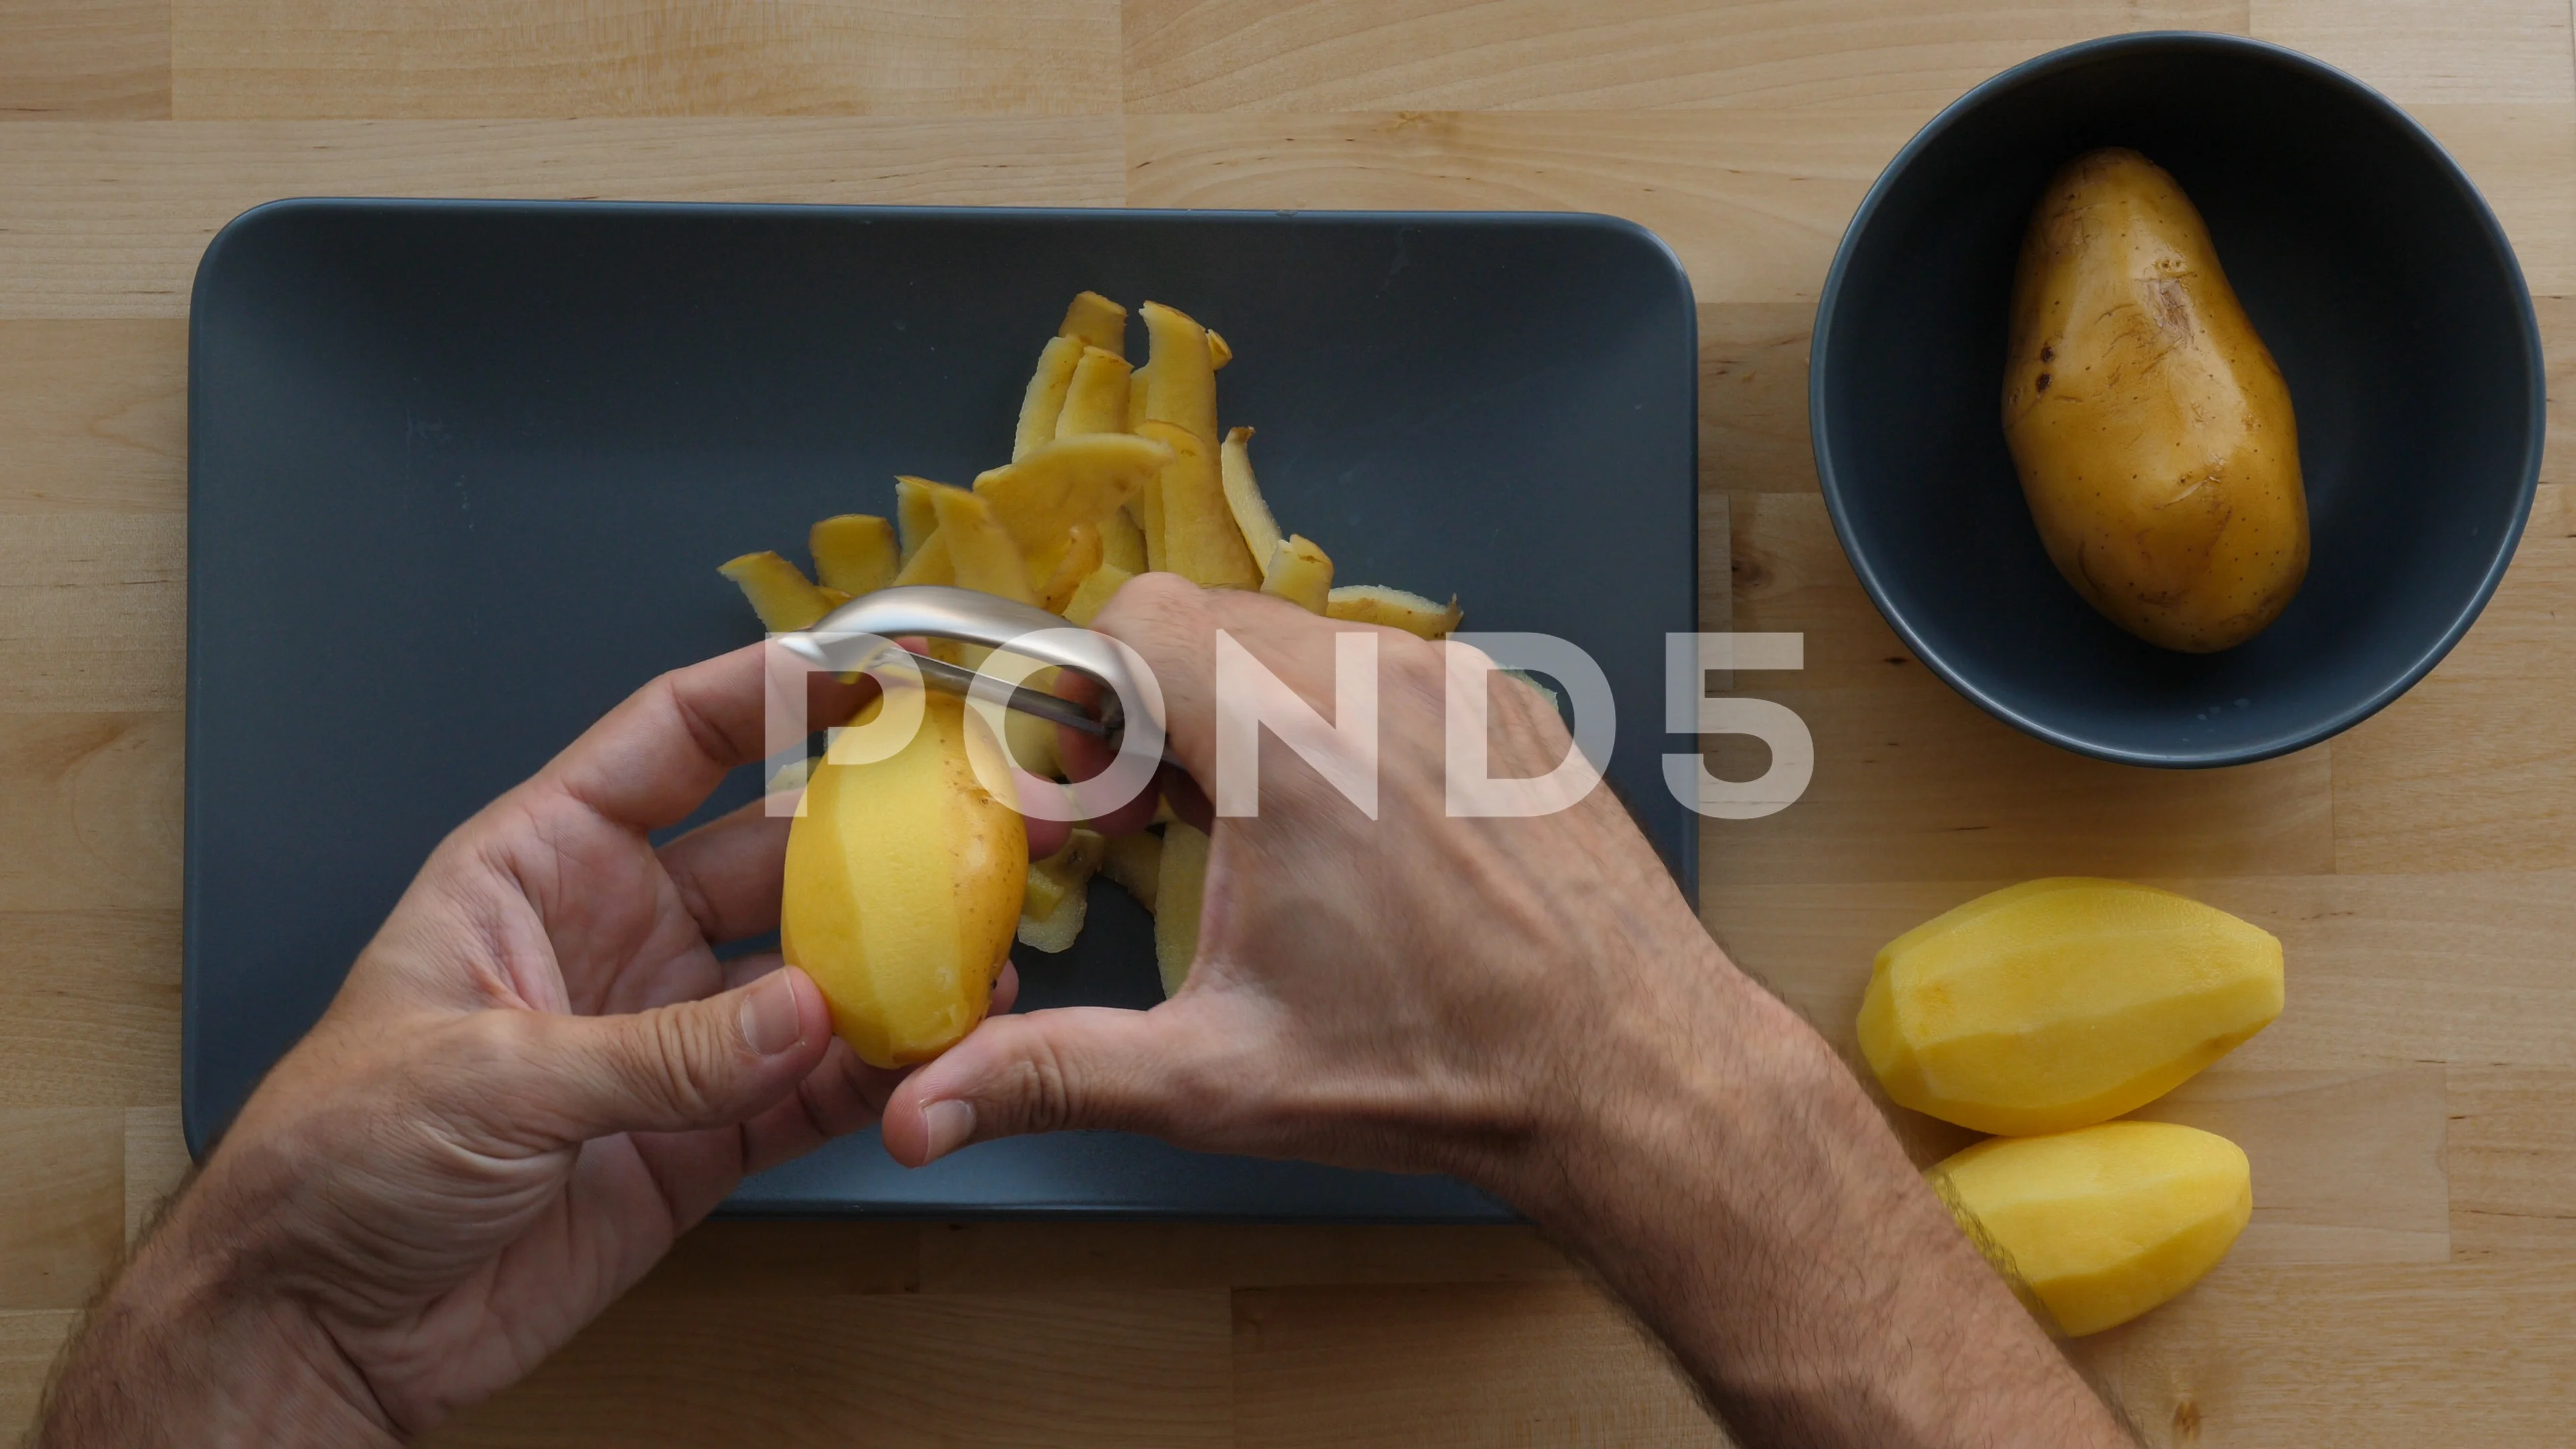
point(675, 1062)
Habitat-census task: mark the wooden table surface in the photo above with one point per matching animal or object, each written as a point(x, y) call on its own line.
point(2410, 1274)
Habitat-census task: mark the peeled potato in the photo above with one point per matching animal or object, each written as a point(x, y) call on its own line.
point(2063, 1002)
point(2103, 1223)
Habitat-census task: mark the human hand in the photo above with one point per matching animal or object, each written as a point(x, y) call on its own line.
point(536, 1076)
point(1529, 1004)
point(1413, 992)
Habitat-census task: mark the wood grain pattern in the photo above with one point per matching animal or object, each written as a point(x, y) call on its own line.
point(93, 1007)
point(93, 612)
point(108, 220)
point(317, 59)
point(2358, 1357)
point(2469, 769)
point(1519, 1363)
point(62, 1193)
point(28, 1343)
point(1752, 201)
point(2495, 52)
point(89, 811)
point(96, 416)
point(1200, 56)
point(2411, 1117)
point(1914, 783)
point(1134, 1370)
point(94, 59)
point(156, 1163)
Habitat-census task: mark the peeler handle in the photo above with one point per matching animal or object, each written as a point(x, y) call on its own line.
point(857, 635)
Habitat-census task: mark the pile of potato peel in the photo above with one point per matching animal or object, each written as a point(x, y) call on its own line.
point(1115, 470)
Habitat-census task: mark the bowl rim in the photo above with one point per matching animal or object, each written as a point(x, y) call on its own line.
point(2178, 41)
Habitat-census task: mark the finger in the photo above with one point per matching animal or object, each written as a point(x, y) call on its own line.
point(1049, 1071)
point(840, 1096)
point(1046, 837)
point(554, 1081)
point(658, 754)
point(728, 872)
point(1172, 625)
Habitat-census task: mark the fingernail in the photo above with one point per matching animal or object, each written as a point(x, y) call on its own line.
point(770, 1021)
point(949, 1125)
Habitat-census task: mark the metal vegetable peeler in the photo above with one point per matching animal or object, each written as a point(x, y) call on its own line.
point(860, 635)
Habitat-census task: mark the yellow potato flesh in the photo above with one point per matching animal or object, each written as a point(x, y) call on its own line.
point(914, 519)
point(1058, 896)
point(1243, 495)
point(903, 888)
point(1180, 884)
point(1095, 321)
point(2103, 1223)
point(1097, 401)
point(1080, 560)
point(1043, 404)
point(981, 548)
point(778, 591)
point(1039, 498)
point(1299, 572)
point(1200, 540)
point(1395, 608)
point(1122, 539)
point(1182, 388)
point(2150, 425)
point(2059, 1003)
point(854, 553)
point(1135, 862)
point(1094, 593)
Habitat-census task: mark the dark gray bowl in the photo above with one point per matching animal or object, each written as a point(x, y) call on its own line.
point(2372, 269)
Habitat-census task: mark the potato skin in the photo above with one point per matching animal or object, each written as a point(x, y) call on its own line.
point(2150, 426)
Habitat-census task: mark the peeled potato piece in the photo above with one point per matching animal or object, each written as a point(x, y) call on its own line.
point(1180, 882)
point(2103, 1223)
point(778, 590)
point(854, 552)
point(1377, 604)
point(2063, 1002)
point(1299, 572)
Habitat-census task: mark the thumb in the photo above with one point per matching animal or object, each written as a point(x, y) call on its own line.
point(1050, 1071)
point(714, 1062)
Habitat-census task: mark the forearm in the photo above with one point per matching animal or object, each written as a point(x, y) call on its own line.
point(181, 1351)
point(1728, 1178)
